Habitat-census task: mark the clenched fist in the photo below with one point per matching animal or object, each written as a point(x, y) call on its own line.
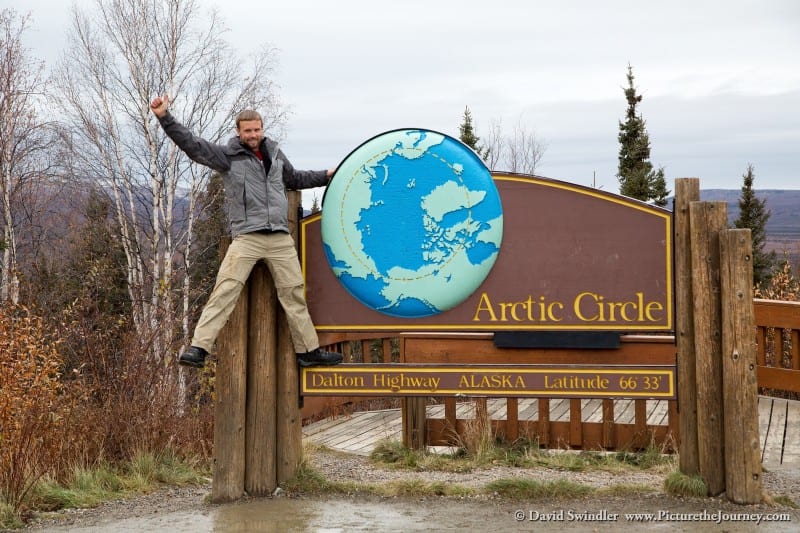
point(159, 105)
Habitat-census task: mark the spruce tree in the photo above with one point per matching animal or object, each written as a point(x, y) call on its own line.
point(315, 207)
point(468, 137)
point(658, 191)
point(211, 227)
point(636, 175)
point(753, 215)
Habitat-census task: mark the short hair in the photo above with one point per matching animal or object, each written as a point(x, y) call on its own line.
point(248, 114)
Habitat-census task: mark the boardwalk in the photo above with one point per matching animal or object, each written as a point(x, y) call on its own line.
point(779, 424)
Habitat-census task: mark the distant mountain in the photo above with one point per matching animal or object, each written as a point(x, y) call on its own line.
point(783, 226)
point(783, 205)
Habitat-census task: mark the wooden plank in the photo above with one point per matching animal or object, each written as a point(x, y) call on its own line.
point(414, 424)
point(512, 426)
point(354, 429)
point(543, 418)
point(707, 220)
point(687, 190)
point(261, 447)
point(229, 406)
point(673, 422)
point(376, 430)
point(795, 348)
point(609, 434)
point(387, 350)
point(592, 410)
point(761, 341)
point(450, 412)
point(496, 408)
point(657, 412)
point(288, 423)
point(640, 423)
point(575, 428)
point(321, 426)
point(777, 313)
point(334, 436)
point(435, 411)
point(529, 409)
point(366, 351)
point(624, 412)
point(739, 389)
point(325, 427)
point(778, 378)
point(559, 408)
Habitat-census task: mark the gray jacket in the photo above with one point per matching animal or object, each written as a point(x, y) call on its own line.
point(254, 201)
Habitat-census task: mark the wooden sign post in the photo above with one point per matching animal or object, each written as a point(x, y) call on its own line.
point(257, 437)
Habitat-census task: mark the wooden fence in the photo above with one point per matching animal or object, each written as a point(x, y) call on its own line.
point(778, 356)
point(586, 423)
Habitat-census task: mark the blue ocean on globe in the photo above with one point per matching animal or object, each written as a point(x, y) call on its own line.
point(411, 223)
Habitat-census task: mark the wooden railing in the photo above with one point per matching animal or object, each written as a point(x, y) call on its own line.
point(778, 339)
point(580, 425)
point(354, 347)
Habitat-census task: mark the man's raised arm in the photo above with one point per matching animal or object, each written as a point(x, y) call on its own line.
point(198, 149)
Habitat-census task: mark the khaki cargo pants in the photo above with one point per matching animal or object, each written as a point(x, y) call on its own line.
point(278, 252)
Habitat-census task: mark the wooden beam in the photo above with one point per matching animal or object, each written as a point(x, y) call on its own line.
point(512, 419)
point(707, 220)
point(288, 430)
point(229, 406)
point(687, 190)
point(739, 389)
point(260, 428)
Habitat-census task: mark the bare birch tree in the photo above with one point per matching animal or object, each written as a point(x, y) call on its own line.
point(120, 55)
point(521, 151)
point(23, 143)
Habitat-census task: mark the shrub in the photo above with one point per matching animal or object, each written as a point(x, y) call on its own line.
point(33, 407)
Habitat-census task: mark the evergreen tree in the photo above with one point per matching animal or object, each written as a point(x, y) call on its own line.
point(88, 274)
point(636, 175)
point(659, 192)
point(468, 137)
point(753, 215)
point(315, 207)
point(211, 228)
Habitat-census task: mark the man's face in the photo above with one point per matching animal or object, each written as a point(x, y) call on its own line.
point(250, 133)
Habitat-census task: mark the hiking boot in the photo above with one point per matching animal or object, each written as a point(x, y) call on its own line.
point(194, 356)
point(319, 357)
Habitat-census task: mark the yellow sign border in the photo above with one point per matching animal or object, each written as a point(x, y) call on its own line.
point(628, 202)
point(667, 372)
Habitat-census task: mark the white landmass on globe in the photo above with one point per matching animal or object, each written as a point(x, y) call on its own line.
point(450, 197)
point(411, 145)
point(490, 234)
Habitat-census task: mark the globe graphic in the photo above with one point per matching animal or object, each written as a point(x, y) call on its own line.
point(411, 223)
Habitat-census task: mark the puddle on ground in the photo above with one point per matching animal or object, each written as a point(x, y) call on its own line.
point(340, 516)
point(301, 515)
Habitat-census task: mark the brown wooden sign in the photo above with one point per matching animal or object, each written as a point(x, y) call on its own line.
point(551, 381)
point(572, 258)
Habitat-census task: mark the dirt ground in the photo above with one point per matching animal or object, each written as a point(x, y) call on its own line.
point(186, 509)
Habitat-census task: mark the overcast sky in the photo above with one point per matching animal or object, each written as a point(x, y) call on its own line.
point(720, 79)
